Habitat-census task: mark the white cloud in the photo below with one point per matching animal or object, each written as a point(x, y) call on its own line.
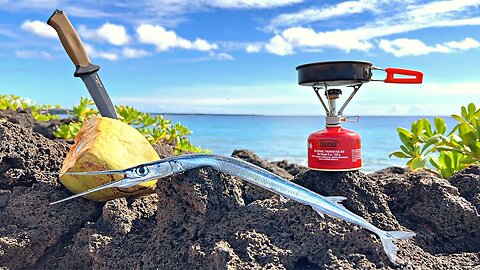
point(250, 4)
point(253, 48)
point(403, 19)
point(85, 9)
point(179, 7)
point(134, 53)
point(221, 56)
point(33, 54)
point(277, 45)
point(466, 44)
point(405, 47)
point(441, 7)
point(164, 39)
point(4, 31)
point(32, 4)
point(112, 33)
point(212, 56)
point(92, 52)
point(345, 40)
point(166, 12)
point(90, 10)
point(39, 28)
point(203, 45)
point(313, 14)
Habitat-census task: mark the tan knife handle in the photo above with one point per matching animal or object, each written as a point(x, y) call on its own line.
point(70, 40)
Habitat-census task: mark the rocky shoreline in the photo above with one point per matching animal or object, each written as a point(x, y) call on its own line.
point(203, 219)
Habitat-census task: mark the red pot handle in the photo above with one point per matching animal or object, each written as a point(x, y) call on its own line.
point(391, 72)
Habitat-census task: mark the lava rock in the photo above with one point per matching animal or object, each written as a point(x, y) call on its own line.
point(444, 221)
point(25, 156)
point(251, 157)
point(291, 168)
point(163, 150)
point(117, 240)
point(24, 118)
point(203, 219)
point(468, 184)
point(31, 230)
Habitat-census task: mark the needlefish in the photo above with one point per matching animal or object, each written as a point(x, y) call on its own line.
point(330, 205)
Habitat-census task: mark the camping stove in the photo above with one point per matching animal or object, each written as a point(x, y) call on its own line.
point(336, 148)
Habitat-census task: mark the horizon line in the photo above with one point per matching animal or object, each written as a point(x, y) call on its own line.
point(290, 115)
point(66, 111)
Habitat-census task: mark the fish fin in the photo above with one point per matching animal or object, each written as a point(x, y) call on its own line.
point(342, 206)
point(387, 240)
point(319, 212)
point(336, 199)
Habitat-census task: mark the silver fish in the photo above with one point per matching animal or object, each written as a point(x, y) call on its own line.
point(260, 177)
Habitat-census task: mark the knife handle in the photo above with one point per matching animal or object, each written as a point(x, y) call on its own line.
point(71, 43)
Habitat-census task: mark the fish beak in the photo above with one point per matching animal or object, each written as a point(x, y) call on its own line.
point(119, 183)
point(88, 173)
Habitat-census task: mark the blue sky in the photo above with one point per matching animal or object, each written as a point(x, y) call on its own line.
point(239, 56)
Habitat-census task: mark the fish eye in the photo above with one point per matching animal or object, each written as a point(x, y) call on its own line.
point(142, 171)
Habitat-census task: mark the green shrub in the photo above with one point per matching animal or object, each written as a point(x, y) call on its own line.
point(448, 153)
point(67, 131)
point(156, 129)
point(39, 112)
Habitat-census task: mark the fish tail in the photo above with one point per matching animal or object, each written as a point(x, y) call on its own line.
point(387, 240)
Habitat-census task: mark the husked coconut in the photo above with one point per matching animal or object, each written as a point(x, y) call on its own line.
point(106, 144)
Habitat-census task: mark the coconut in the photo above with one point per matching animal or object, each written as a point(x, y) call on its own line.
point(106, 144)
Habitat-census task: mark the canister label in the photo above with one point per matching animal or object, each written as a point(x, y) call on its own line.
point(331, 154)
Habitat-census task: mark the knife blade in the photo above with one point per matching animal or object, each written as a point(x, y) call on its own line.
point(84, 68)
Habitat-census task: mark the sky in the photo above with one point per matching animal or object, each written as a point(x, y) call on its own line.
point(239, 56)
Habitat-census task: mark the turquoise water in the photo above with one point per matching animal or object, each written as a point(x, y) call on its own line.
point(285, 137)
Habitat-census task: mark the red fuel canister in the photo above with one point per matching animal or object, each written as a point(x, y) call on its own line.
point(334, 149)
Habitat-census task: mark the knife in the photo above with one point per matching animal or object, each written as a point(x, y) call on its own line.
point(84, 68)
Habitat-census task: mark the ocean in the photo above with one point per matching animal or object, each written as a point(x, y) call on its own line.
point(285, 137)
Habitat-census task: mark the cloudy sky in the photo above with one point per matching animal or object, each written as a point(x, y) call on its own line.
point(239, 56)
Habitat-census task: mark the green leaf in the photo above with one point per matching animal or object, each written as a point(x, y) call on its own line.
point(449, 149)
point(398, 154)
point(477, 113)
point(465, 128)
point(427, 127)
point(435, 163)
point(418, 128)
point(470, 160)
point(406, 141)
point(440, 126)
point(460, 119)
point(418, 163)
point(447, 159)
point(470, 139)
point(471, 111)
point(455, 129)
point(405, 150)
point(464, 112)
point(432, 140)
point(405, 132)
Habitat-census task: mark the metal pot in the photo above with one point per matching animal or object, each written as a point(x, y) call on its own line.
point(337, 73)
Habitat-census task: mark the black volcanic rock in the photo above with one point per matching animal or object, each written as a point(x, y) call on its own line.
point(203, 219)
